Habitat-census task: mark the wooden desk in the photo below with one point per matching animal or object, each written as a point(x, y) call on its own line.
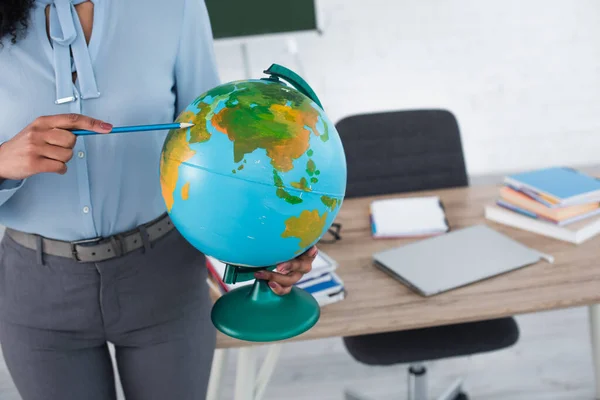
point(377, 303)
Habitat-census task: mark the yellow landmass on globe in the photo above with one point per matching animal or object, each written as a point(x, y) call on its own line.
point(185, 191)
point(307, 227)
point(186, 116)
point(330, 202)
point(176, 151)
point(302, 185)
point(198, 132)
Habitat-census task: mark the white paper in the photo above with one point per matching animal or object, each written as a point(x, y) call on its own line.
point(408, 216)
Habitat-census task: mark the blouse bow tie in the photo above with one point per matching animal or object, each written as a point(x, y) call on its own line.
point(66, 35)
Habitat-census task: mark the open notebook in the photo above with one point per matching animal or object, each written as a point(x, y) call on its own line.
point(408, 217)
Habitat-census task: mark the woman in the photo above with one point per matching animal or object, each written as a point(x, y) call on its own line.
point(89, 256)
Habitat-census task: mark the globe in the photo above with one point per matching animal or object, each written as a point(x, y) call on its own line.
point(260, 176)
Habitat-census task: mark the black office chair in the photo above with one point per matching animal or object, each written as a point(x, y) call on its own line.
point(393, 152)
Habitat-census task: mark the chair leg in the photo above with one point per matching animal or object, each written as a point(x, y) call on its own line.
point(454, 392)
point(350, 395)
point(417, 382)
point(417, 387)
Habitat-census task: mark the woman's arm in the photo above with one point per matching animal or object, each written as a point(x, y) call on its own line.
point(196, 67)
point(45, 145)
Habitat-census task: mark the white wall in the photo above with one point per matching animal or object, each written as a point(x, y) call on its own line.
point(522, 76)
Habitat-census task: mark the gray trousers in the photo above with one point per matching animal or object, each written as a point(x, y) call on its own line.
point(152, 304)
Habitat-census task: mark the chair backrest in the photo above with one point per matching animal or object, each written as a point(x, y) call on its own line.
point(402, 151)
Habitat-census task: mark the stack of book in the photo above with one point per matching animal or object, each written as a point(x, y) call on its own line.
point(321, 282)
point(558, 202)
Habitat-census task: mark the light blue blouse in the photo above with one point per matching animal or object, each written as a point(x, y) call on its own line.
point(146, 61)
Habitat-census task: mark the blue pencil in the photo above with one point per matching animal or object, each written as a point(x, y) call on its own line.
point(138, 128)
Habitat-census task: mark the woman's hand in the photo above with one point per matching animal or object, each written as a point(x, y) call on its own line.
point(45, 145)
point(290, 272)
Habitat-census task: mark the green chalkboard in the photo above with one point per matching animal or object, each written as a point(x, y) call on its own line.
point(239, 18)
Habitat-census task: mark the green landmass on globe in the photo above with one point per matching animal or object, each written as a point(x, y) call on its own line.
point(255, 116)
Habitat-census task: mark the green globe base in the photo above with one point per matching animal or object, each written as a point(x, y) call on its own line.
point(255, 313)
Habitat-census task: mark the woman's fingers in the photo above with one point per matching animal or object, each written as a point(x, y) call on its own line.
point(302, 263)
point(283, 279)
point(289, 273)
point(280, 283)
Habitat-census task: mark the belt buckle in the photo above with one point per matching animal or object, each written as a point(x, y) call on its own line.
point(75, 243)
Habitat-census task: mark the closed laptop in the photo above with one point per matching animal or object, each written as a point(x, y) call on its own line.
point(455, 259)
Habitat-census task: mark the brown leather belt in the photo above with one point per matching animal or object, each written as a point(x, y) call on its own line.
point(97, 249)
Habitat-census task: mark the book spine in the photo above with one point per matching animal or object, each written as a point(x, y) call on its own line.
point(540, 198)
point(372, 221)
point(521, 211)
point(533, 226)
point(215, 274)
point(449, 228)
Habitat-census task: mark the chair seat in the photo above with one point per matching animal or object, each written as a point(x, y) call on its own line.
point(427, 344)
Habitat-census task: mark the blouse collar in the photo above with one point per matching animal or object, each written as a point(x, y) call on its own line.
point(66, 35)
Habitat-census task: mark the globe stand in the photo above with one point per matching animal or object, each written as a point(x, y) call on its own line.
point(255, 313)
